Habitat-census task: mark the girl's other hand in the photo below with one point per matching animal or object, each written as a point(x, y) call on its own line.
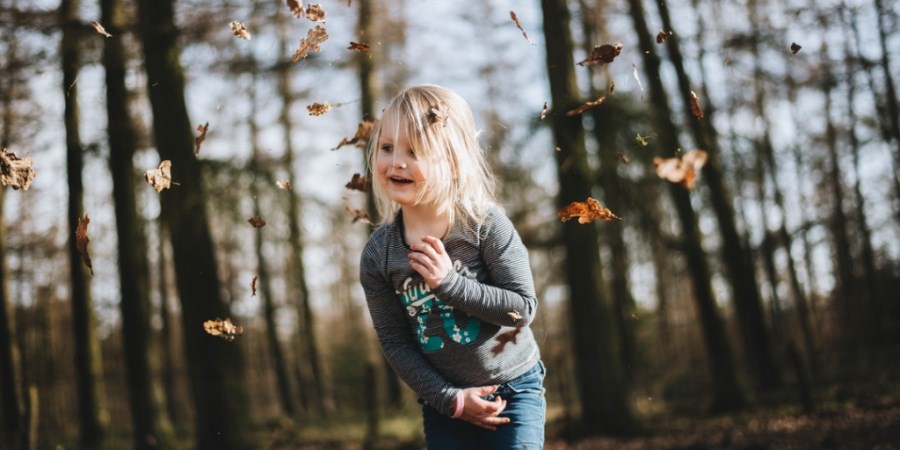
point(480, 412)
point(430, 259)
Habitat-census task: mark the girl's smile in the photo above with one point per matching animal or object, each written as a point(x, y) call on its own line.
point(397, 168)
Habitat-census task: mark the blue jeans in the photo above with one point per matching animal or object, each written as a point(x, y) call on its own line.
point(526, 408)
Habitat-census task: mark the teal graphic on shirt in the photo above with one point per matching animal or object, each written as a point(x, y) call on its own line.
point(421, 303)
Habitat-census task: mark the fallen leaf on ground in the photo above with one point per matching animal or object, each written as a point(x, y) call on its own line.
point(257, 222)
point(198, 141)
point(695, 106)
point(14, 171)
point(363, 133)
point(317, 109)
point(359, 183)
point(284, 184)
point(82, 240)
point(223, 328)
point(602, 54)
point(315, 12)
point(240, 30)
point(586, 107)
point(161, 177)
point(663, 35)
point(310, 43)
point(586, 212)
point(253, 286)
point(681, 170)
point(100, 29)
point(512, 15)
point(358, 47)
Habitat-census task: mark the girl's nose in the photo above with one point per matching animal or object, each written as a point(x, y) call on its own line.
point(399, 164)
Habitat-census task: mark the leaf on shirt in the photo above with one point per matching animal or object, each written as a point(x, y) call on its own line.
point(223, 328)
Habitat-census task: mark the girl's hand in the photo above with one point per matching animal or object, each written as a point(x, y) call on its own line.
point(481, 412)
point(430, 259)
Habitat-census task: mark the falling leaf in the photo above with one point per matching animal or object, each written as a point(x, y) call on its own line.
point(637, 78)
point(315, 12)
point(14, 171)
point(100, 29)
point(695, 106)
point(602, 54)
point(310, 43)
point(223, 328)
point(663, 35)
point(795, 48)
point(82, 239)
point(642, 140)
point(198, 141)
point(284, 184)
point(363, 133)
point(558, 149)
point(240, 30)
point(317, 109)
point(253, 286)
point(681, 170)
point(612, 87)
point(515, 315)
point(512, 15)
point(623, 158)
point(544, 111)
point(257, 222)
point(161, 177)
point(586, 107)
point(359, 215)
point(359, 183)
point(296, 7)
point(358, 47)
point(586, 211)
point(506, 338)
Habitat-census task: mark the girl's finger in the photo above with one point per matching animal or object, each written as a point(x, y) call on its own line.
point(434, 243)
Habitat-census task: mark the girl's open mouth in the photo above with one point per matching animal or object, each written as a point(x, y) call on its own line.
point(400, 180)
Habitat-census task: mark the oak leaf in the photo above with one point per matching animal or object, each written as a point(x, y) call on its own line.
point(14, 171)
point(681, 170)
point(363, 133)
point(100, 29)
point(315, 12)
point(586, 212)
point(586, 106)
point(240, 30)
point(310, 43)
point(257, 222)
point(602, 54)
point(225, 329)
point(198, 141)
point(82, 240)
point(161, 177)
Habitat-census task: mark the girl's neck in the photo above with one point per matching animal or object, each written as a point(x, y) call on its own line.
point(424, 221)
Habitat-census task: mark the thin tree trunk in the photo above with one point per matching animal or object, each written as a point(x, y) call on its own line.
point(604, 406)
point(214, 365)
point(176, 416)
point(891, 101)
point(88, 367)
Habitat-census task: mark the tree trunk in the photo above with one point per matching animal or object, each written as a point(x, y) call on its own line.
point(604, 406)
point(88, 368)
point(893, 109)
point(727, 393)
point(176, 415)
point(214, 365)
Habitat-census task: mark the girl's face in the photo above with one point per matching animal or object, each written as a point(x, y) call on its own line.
point(397, 168)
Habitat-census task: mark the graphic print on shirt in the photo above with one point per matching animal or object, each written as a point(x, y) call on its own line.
point(421, 303)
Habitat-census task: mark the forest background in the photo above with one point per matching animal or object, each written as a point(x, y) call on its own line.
point(757, 308)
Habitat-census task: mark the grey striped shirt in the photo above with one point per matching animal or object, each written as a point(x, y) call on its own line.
point(462, 333)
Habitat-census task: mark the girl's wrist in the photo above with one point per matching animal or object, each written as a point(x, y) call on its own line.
point(459, 402)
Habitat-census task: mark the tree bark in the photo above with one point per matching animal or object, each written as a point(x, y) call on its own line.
point(893, 109)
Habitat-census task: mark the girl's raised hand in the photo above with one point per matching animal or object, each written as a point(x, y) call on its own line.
point(430, 259)
point(481, 412)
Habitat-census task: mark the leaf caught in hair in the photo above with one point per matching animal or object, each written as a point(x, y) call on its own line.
point(795, 48)
point(512, 15)
point(662, 36)
point(161, 177)
point(602, 54)
point(223, 328)
point(257, 222)
point(317, 109)
point(359, 183)
point(586, 107)
point(253, 286)
point(586, 212)
point(363, 133)
point(544, 111)
point(240, 30)
point(681, 170)
point(315, 12)
point(82, 239)
point(310, 43)
point(436, 114)
point(14, 171)
point(695, 106)
point(358, 47)
point(296, 7)
point(198, 141)
point(284, 184)
point(100, 29)
point(359, 215)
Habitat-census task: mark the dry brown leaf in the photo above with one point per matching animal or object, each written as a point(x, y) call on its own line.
point(512, 15)
point(82, 239)
point(310, 43)
point(586, 212)
point(317, 109)
point(223, 328)
point(358, 47)
point(359, 215)
point(681, 170)
point(161, 177)
point(198, 141)
point(257, 222)
point(544, 111)
point(284, 184)
point(558, 149)
point(359, 183)
point(363, 133)
point(14, 171)
point(695, 106)
point(240, 30)
point(795, 48)
point(253, 286)
point(100, 29)
point(437, 114)
point(315, 12)
point(586, 107)
point(623, 158)
point(602, 54)
point(296, 7)
point(663, 35)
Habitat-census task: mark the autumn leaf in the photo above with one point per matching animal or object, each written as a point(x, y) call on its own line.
point(198, 141)
point(512, 15)
point(257, 222)
point(240, 30)
point(612, 87)
point(695, 106)
point(586, 107)
point(359, 215)
point(623, 158)
point(296, 7)
point(161, 177)
point(586, 212)
point(363, 133)
point(100, 29)
point(310, 43)
point(253, 286)
point(436, 114)
point(284, 184)
point(223, 328)
point(681, 170)
point(14, 171)
point(315, 12)
point(795, 48)
point(602, 54)
point(317, 109)
point(662, 36)
point(544, 111)
point(642, 140)
point(82, 239)
point(358, 47)
point(359, 183)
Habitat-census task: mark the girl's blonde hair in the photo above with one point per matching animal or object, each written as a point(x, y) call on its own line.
point(442, 134)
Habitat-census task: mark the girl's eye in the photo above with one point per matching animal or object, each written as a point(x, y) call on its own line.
point(387, 148)
point(412, 154)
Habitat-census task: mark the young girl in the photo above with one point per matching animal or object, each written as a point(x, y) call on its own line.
point(447, 279)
